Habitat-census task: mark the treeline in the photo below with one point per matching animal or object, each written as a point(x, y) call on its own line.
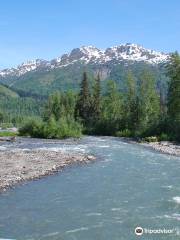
point(133, 112)
point(57, 120)
point(16, 111)
point(17, 106)
point(27, 94)
point(173, 105)
point(138, 111)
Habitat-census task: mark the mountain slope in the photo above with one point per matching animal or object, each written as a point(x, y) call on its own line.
point(6, 92)
point(14, 108)
point(43, 77)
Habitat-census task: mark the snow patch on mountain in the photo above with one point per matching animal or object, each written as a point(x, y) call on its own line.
point(90, 54)
point(134, 52)
point(25, 67)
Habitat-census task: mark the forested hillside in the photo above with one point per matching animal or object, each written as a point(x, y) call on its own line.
point(69, 77)
point(26, 87)
point(141, 109)
point(25, 95)
point(15, 108)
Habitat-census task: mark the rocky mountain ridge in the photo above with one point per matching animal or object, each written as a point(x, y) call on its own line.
point(91, 55)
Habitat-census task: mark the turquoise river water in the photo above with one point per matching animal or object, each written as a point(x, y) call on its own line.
point(128, 186)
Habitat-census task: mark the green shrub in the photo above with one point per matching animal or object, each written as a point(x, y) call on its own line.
point(6, 125)
point(49, 129)
point(151, 139)
point(8, 134)
point(124, 133)
point(52, 129)
point(32, 128)
point(68, 127)
point(163, 137)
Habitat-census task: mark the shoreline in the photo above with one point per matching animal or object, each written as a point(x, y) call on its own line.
point(22, 165)
point(164, 147)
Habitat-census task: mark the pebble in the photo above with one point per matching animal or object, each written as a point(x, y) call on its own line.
point(18, 166)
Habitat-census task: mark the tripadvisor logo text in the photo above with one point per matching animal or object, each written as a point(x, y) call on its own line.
point(140, 231)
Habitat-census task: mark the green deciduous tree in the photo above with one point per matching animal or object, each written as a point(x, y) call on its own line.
point(130, 103)
point(111, 115)
point(174, 95)
point(148, 104)
point(53, 107)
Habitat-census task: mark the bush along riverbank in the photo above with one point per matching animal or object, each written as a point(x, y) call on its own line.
point(140, 110)
point(52, 129)
point(57, 120)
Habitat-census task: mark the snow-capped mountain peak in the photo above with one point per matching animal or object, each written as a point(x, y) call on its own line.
point(25, 67)
point(91, 55)
point(91, 52)
point(134, 52)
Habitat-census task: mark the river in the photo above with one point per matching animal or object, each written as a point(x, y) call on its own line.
point(128, 186)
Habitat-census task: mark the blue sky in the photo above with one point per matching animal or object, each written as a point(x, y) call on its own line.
point(49, 28)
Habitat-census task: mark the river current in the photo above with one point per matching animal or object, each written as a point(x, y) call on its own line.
point(128, 186)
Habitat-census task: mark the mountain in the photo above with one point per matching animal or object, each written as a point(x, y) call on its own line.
point(42, 76)
point(90, 54)
point(6, 92)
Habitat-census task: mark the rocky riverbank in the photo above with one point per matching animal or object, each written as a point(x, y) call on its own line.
point(164, 147)
point(22, 165)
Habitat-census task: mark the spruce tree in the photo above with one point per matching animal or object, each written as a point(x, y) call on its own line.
point(130, 103)
point(83, 103)
point(96, 100)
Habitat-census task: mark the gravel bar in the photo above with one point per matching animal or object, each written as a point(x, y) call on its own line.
point(19, 166)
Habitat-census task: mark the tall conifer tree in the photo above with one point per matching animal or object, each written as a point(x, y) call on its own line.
point(83, 102)
point(96, 99)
